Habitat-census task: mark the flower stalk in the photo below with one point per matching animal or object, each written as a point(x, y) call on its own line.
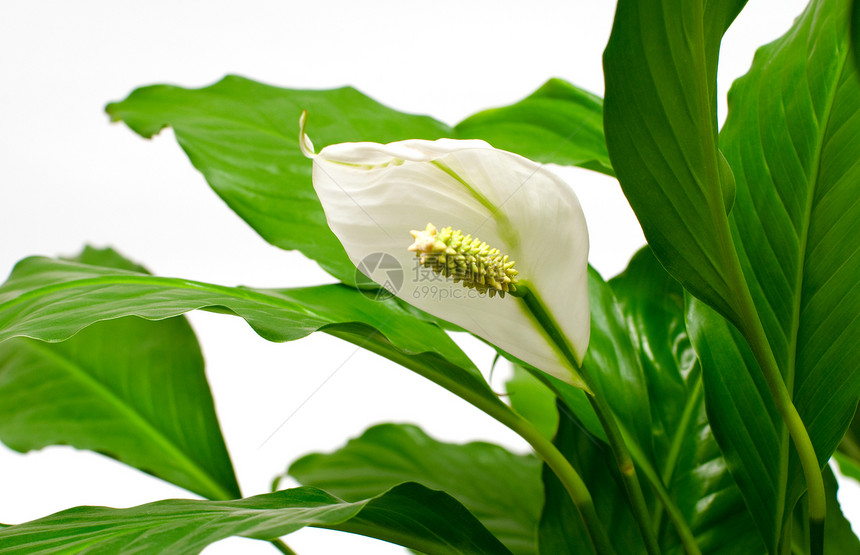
point(623, 460)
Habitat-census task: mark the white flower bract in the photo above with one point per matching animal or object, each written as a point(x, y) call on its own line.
point(373, 195)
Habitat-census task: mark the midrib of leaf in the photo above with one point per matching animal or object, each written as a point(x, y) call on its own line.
point(135, 417)
point(813, 180)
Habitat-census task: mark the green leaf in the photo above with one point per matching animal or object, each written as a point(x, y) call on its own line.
point(410, 515)
point(614, 366)
point(557, 124)
point(848, 454)
point(838, 536)
point(796, 213)
point(855, 32)
point(847, 466)
point(147, 404)
point(796, 160)
point(660, 68)
point(687, 457)
point(743, 417)
point(243, 137)
point(108, 258)
point(652, 305)
point(52, 299)
point(638, 320)
point(478, 475)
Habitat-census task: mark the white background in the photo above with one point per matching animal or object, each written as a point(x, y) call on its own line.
point(68, 177)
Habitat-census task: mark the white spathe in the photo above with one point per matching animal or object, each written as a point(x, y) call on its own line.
point(374, 195)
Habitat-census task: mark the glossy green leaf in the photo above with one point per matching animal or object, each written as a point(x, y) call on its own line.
point(557, 124)
point(410, 515)
point(652, 304)
point(838, 536)
point(478, 475)
point(614, 365)
point(639, 322)
point(748, 427)
point(660, 67)
point(797, 162)
point(52, 299)
point(243, 137)
point(147, 404)
point(687, 457)
point(743, 417)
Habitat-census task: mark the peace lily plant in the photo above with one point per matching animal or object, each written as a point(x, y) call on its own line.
point(690, 404)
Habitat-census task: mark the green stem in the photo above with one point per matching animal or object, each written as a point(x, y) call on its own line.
point(619, 449)
point(656, 483)
point(550, 454)
point(681, 526)
point(627, 469)
point(282, 547)
point(796, 429)
point(574, 485)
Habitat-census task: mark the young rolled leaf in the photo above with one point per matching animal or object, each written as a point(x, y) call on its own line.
point(383, 200)
point(147, 404)
point(410, 515)
point(502, 490)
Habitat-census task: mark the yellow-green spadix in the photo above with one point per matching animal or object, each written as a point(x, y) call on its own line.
point(374, 195)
